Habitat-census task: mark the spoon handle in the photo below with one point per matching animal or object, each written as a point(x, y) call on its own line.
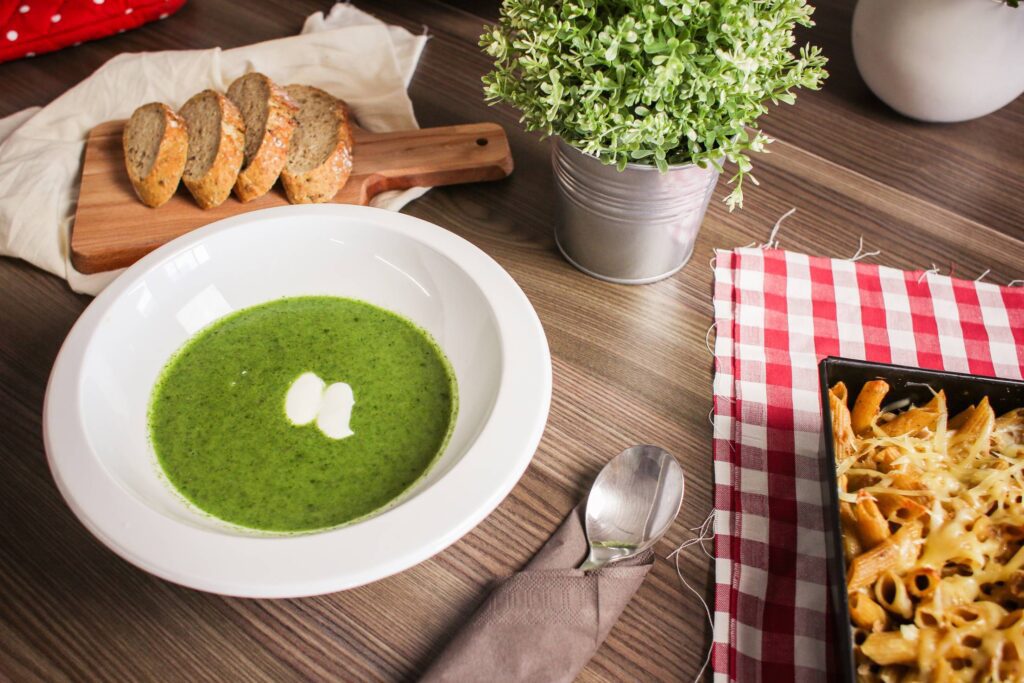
point(600, 555)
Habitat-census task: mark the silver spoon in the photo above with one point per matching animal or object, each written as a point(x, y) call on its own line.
point(633, 502)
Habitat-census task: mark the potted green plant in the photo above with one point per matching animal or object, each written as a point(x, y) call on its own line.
point(647, 101)
point(941, 60)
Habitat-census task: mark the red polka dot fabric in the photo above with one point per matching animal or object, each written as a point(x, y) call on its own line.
point(32, 27)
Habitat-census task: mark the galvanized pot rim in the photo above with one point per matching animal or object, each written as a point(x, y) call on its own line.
point(627, 227)
point(632, 165)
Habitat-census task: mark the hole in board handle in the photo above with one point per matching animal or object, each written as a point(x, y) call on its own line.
point(481, 141)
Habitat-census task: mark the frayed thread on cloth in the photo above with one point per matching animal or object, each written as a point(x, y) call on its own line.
point(861, 253)
point(773, 243)
point(707, 338)
point(934, 270)
point(773, 236)
point(705, 532)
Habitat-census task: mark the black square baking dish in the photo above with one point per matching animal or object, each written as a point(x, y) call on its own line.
point(905, 382)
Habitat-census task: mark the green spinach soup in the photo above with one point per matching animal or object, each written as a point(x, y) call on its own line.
point(302, 413)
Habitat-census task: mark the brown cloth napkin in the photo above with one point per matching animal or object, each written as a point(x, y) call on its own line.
point(544, 623)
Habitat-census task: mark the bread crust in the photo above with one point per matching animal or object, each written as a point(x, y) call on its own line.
point(214, 186)
point(256, 179)
point(320, 184)
point(160, 184)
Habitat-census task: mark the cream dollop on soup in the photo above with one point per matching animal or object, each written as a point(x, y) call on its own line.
point(302, 413)
point(310, 399)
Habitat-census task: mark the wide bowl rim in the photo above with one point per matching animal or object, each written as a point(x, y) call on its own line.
point(318, 563)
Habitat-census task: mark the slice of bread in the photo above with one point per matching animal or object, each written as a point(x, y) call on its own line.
point(216, 142)
point(269, 120)
point(320, 155)
point(155, 149)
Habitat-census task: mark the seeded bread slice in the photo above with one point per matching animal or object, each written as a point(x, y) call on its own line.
point(155, 147)
point(216, 142)
point(320, 155)
point(269, 120)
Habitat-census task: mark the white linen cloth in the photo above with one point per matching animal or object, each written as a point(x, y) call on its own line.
point(348, 53)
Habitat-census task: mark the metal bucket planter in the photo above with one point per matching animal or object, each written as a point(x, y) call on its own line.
point(633, 226)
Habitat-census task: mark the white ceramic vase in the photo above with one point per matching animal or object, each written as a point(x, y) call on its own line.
point(940, 60)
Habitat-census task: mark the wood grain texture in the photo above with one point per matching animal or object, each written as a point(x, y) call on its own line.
point(630, 366)
point(113, 229)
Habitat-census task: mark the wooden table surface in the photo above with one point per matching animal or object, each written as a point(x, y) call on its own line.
point(630, 365)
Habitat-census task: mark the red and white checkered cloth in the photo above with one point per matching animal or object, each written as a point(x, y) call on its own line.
point(777, 314)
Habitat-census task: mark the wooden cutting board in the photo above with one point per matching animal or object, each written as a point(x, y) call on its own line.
point(114, 229)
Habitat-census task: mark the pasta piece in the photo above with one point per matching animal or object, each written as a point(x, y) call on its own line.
point(983, 613)
point(960, 419)
point(891, 594)
point(957, 663)
point(974, 437)
point(938, 404)
point(857, 480)
point(865, 408)
point(927, 652)
point(909, 482)
point(1009, 428)
point(859, 636)
point(843, 437)
point(883, 459)
point(889, 647)
point(866, 613)
point(896, 553)
point(895, 507)
point(1013, 620)
point(848, 523)
point(928, 616)
point(1008, 593)
point(916, 419)
point(872, 528)
point(921, 582)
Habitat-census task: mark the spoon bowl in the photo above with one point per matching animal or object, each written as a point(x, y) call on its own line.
point(633, 502)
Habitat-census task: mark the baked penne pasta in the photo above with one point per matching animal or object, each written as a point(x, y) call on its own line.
point(866, 407)
point(916, 419)
point(921, 582)
point(842, 432)
point(898, 508)
point(897, 553)
point(1009, 429)
point(851, 541)
point(973, 437)
point(872, 527)
point(891, 593)
point(866, 613)
point(932, 517)
point(889, 647)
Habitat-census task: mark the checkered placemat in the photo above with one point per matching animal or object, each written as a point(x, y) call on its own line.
point(777, 314)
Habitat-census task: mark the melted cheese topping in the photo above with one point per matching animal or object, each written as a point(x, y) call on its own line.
point(970, 479)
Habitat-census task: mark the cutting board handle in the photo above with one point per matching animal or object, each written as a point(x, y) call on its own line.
point(428, 157)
